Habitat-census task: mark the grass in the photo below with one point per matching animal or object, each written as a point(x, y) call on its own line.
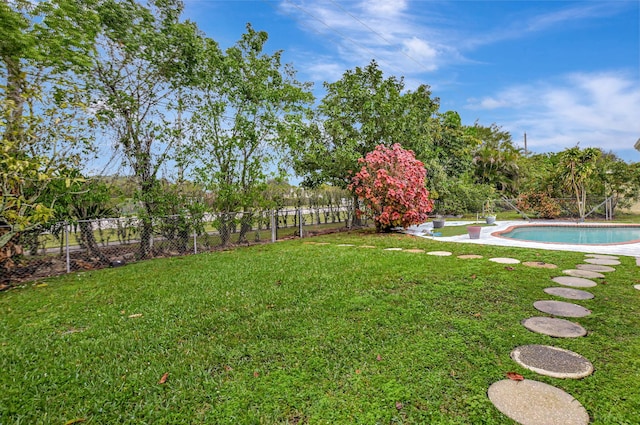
point(293, 333)
point(449, 230)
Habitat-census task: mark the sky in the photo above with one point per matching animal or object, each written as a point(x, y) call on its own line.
point(564, 73)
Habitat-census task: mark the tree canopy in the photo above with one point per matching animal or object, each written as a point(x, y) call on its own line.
point(181, 115)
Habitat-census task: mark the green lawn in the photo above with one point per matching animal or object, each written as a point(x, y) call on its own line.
point(295, 332)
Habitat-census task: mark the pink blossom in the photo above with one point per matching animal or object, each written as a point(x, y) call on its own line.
point(391, 185)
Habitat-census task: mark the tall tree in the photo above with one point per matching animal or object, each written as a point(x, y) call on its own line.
point(249, 105)
point(496, 161)
point(44, 47)
point(147, 55)
point(577, 166)
point(616, 179)
point(359, 112)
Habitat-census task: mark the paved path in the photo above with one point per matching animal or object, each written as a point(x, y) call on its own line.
point(535, 403)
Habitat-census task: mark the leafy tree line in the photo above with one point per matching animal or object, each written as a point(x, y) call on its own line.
point(187, 119)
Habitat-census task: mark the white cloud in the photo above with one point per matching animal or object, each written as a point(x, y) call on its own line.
point(524, 25)
point(583, 11)
point(324, 69)
point(412, 38)
point(598, 109)
point(383, 30)
point(422, 51)
point(384, 8)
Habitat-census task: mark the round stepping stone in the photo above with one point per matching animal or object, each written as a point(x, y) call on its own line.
point(367, 246)
point(414, 250)
point(393, 249)
point(439, 253)
point(595, 268)
point(570, 293)
point(551, 326)
point(469, 256)
point(323, 243)
point(540, 265)
point(561, 308)
point(502, 260)
point(605, 257)
point(602, 261)
point(345, 244)
point(637, 287)
point(552, 361)
point(576, 282)
point(536, 403)
point(583, 273)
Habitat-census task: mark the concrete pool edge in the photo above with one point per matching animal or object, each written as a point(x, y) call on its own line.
point(487, 237)
point(501, 233)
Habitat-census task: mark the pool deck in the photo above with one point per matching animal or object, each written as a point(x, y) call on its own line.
point(486, 237)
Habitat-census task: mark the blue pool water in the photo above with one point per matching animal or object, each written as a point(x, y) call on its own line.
point(579, 235)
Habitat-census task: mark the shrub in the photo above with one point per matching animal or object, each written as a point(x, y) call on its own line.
point(457, 197)
point(391, 183)
point(539, 203)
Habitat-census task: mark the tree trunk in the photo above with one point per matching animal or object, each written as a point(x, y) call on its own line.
point(89, 242)
point(356, 221)
point(146, 231)
point(14, 90)
point(7, 251)
point(245, 225)
point(224, 228)
point(142, 170)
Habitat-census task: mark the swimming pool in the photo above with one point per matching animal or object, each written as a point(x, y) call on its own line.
point(578, 235)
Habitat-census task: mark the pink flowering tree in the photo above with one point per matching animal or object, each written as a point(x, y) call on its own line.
point(391, 183)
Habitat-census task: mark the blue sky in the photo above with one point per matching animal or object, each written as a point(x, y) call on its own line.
point(563, 72)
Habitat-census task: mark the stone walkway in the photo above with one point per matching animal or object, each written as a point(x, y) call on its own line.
point(527, 401)
point(531, 402)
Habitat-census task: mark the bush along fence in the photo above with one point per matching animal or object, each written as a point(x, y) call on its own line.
point(66, 247)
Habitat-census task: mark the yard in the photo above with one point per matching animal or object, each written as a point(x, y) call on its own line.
point(299, 332)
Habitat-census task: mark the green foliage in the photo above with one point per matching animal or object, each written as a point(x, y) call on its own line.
point(26, 181)
point(496, 161)
point(450, 147)
point(576, 168)
point(248, 104)
point(456, 197)
point(43, 125)
point(617, 179)
point(605, 175)
point(359, 112)
point(146, 55)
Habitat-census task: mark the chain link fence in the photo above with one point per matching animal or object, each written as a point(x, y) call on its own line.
point(553, 208)
point(111, 242)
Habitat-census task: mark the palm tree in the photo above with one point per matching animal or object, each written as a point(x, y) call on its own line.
point(576, 167)
point(496, 164)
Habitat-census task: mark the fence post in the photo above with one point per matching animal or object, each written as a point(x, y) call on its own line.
point(66, 237)
point(300, 220)
point(195, 242)
point(274, 235)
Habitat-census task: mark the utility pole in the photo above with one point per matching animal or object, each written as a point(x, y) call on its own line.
point(526, 152)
